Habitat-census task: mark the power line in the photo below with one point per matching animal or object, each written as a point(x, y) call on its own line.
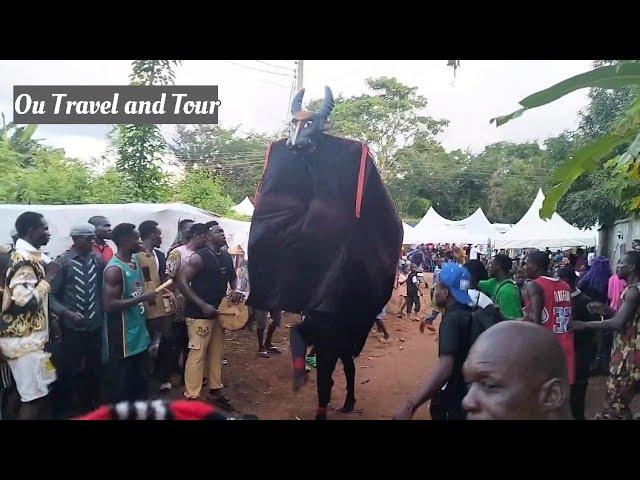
point(257, 69)
point(438, 168)
point(272, 83)
point(226, 154)
point(272, 65)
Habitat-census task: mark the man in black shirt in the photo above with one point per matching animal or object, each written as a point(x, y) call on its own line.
point(584, 343)
point(445, 387)
point(76, 297)
point(413, 292)
point(203, 281)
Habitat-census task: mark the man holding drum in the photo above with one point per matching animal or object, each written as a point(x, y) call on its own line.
point(203, 280)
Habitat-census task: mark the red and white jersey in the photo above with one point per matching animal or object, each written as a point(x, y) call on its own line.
point(556, 315)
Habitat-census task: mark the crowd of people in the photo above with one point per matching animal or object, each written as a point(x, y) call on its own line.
point(94, 326)
point(591, 312)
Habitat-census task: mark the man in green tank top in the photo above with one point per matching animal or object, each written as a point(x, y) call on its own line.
point(127, 338)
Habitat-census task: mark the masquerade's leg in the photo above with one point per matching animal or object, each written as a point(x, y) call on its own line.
point(327, 359)
point(350, 376)
point(298, 350)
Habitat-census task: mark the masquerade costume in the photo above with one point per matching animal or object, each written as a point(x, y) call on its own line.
point(325, 239)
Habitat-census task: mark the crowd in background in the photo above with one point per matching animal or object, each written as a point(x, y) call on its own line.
point(566, 291)
point(102, 325)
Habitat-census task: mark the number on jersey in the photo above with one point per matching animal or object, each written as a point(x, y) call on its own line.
point(563, 317)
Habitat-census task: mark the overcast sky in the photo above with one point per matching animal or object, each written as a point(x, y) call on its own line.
point(258, 100)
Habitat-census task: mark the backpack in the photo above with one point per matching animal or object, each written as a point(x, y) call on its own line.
point(482, 319)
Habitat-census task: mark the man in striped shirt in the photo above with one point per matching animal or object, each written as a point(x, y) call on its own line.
point(76, 297)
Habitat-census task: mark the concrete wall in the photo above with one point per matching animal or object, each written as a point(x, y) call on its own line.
point(614, 241)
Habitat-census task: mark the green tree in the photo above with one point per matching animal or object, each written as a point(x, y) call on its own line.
point(19, 140)
point(236, 161)
point(109, 187)
point(603, 195)
point(388, 119)
point(202, 189)
point(514, 172)
point(616, 144)
point(424, 172)
point(140, 147)
point(53, 180)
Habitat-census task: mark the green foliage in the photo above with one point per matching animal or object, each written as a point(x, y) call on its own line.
point(237, 161)
point(387, 120)
point(609, 128)
point(53, 179)
point(612, 77)
point(110, 187)
point(418, 207)
point(222, 166)
point(202, 189)
point(153, 72)
point(140, 147)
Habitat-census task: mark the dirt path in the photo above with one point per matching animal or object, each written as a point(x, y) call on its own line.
point(386, 373)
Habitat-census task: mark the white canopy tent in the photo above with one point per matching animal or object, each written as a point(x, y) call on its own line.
point(478, 223)
point(245, 207)
point(434, 228)
point(533, 232)
point(431, 218)
point(409, 237)
point(62, 217)
point(502, 227)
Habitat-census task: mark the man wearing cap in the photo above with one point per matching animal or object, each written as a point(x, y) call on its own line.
point(77, 300)
point(445, 387)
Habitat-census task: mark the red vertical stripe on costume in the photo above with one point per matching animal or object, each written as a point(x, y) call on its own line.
point(361, 173)
point(266, 162)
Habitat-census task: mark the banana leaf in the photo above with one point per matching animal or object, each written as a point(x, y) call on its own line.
point(623, 74)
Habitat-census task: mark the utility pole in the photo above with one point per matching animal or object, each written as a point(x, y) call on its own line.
point(299, 74)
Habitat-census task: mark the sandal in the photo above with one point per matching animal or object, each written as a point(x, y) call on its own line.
point(311, 361)
point(274, 349)
point(263, 354)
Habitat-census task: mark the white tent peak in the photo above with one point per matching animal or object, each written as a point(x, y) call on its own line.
point(477, 216)
point(533, 232)
point(245, 207)
point(431, 218)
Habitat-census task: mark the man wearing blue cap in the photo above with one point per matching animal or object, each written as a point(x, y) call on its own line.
point(445, 387)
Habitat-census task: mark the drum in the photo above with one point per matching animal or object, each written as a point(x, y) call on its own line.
point(233, 317)
point(160, 306)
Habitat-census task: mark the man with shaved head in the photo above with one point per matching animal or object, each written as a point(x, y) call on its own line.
point(517, 371)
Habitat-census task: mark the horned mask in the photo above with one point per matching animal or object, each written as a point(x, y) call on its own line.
point(306, 127)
